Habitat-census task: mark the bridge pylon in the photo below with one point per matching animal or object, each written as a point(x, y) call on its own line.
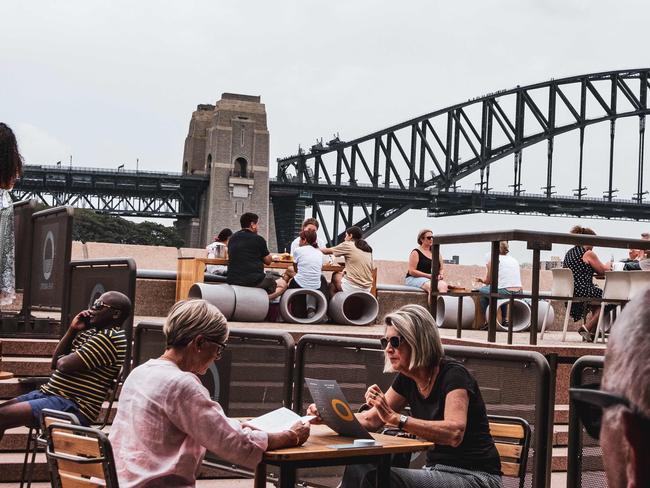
point(229, 143)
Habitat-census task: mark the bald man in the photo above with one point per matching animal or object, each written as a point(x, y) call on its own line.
point(625, 428)
point(86, 361)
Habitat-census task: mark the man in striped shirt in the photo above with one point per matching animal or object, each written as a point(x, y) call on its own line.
point(86, 361)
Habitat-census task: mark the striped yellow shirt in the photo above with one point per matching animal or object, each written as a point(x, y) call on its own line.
point(103, 352)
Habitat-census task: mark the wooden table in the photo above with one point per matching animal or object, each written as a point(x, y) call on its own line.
point(316, 453)
point(191, 270)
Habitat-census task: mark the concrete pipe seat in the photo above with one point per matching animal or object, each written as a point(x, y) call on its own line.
point(447, 312)
point(293, 306)
point(353, 308)
point(221, 296)
point(251, 304)
point(520, 315)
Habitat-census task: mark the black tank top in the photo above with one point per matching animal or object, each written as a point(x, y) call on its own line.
point(424, 263)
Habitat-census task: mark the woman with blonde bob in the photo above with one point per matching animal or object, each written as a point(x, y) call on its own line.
point(166, 419)
point(446, 404)
point(419, 271)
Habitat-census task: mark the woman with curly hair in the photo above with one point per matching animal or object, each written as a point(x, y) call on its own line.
point(11, 167)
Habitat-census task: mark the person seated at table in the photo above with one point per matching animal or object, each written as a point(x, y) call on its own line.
point(639, 254)
point(509, 278)
point(310, 224)
point(419, 270)
point(166, 419)
point(357, 275)
point(446, 405)
point(584, 264)
point(219, 249)
point(86, 361)
point(247, 255)
point(309, 262)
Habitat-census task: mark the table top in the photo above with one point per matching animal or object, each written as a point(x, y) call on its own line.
point(273, 265)
point(322, 436)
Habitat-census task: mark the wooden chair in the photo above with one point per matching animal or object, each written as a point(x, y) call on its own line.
point(512, 439)
point(36, 439)
point(79, 457)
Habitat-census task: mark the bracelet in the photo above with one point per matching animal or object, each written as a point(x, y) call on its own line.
point(297, 437)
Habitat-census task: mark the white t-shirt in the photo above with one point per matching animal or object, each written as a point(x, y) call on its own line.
point(509, 272)
point(212, 253)
point(295, 244)
point(310, 262)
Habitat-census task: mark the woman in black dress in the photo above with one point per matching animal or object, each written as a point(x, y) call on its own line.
point(446, 404)
point(584, 264)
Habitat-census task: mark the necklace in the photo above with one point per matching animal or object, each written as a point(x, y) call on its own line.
point(426, 387)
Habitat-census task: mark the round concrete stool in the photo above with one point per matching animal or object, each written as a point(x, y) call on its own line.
point(447, 312)
point(251, 304)
point(353, 308)
point(293, 299)
point(221, 296)
point(520, 315)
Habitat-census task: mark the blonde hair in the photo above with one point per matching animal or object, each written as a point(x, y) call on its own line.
point(421, 234)
point(419, 330)
point(189, 318)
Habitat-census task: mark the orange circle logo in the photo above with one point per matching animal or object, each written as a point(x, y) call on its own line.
point(342, 410)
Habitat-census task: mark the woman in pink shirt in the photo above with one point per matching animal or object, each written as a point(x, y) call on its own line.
point(166, 419)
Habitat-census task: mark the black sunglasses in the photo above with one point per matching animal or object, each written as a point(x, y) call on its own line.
point(590, 402)
point(428, 237)
point(394, 342)
point(99, 304)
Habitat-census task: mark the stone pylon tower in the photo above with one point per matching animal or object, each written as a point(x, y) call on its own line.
point(229, 142)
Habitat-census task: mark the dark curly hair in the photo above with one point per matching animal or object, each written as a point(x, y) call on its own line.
point(11, 162)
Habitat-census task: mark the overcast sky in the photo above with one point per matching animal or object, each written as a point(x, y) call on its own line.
point(109, 82)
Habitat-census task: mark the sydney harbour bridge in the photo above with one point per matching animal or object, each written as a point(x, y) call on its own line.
point(421, 163)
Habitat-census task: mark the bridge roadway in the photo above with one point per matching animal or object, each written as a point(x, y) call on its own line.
point(173, 195)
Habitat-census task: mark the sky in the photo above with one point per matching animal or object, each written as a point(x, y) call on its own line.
point(112, 82)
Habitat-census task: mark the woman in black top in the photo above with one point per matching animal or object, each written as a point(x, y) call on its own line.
point(584, 264)
point(446, 404)
point(419, 272)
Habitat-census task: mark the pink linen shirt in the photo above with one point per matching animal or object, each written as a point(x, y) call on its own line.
point(164, 423)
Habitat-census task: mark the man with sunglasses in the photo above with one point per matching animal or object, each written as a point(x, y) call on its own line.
point(619, 412)
point(85, 362)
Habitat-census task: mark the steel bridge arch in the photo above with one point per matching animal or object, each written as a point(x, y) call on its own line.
point(438, 138)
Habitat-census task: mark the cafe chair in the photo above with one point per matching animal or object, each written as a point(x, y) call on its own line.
point(639, 281)
point(617, 287)
point(36, 439)
point(562, 287)
point(79, 457)
point(512, 439)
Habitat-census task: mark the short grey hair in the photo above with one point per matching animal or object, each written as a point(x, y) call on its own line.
point(189, 318)
point(418, 328)
point(627, 369)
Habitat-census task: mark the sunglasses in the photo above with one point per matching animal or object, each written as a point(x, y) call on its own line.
point(221, 346)
point(99, 304)
point(590, 402)
point(428, 238)
point(394, 342)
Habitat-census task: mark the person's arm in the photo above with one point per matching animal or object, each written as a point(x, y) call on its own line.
point(264, 252)
point(327, 250)
point(97, 352)
point(414, 257)
point(225, 437)
point(488, 273)
point(62, 358)
point(267, 259)
point(449, 431)
point(591, 258)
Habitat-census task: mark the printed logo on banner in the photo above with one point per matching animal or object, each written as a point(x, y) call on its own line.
point(48, 260)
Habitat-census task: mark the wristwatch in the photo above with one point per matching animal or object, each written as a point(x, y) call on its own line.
point(402, 422)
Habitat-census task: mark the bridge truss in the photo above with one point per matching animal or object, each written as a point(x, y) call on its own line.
point(128, 193)
point(421, 163)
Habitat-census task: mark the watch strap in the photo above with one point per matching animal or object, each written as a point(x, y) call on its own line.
point(402, 422)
